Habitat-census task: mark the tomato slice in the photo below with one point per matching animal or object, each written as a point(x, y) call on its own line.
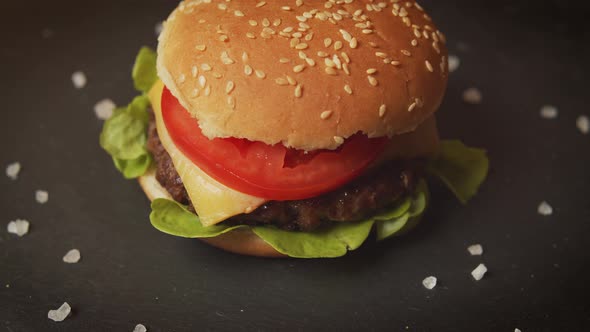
point(273, 172)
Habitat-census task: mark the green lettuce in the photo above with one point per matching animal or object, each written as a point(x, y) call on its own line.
point(124, 135)
point(332, 241)
point(462, 169)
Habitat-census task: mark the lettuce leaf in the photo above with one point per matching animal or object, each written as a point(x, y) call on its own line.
point(333, 241)
point(462, 169)
point(124, 135)
point(144, 72)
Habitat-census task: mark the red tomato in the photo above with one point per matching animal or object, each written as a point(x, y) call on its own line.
point(273, 172)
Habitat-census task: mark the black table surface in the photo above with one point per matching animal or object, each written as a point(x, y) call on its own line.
point(520, 54)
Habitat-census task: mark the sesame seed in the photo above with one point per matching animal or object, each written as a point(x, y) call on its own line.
point(371, 71)
point(226, 59)
point(238, 13)
point(412, 106)
point(281, 81)
point(250, 35)
point(229, 87)
point(322, 54)
point(222, 6)
point(217, 75)
point(406, 52)
point(345, 35)
point(231, 101)
point(331, 71)
point(195, 93)
point(382, 110)
point(310, 62)
point(298, 91)
point(345, 57)
point(283, 60)
point(286, 8)
point(247, 70)
point(414, 42)
point(208, 91)
point(206, 67)
point(277, 22)
point(260, 4)
point(429, 66)
point(291, 80)
point(302, 55)
point(223, 38)
point(301, 46)
point(373, 44)
point(372, 80)
point(194, 71)
point(338, 139)
point(417, 33)
point(181, 78)
point(327, 42)
point(425, 34)
point(367, 31)
point(245, 57)
point(436, 47)
point(325, 115)
point(253, 23)
point(299, 3)
point(348, 89)
point(265, 22)
point(201, 47)
point(337, 45)
point(202, 81)
point(353, 43)
point(309, 36)
point(329, 62)
point(260, 74)
point(380, 54)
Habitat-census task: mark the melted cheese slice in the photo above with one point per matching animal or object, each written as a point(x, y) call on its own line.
point(213, 201)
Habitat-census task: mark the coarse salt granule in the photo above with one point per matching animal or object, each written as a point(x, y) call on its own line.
point(454, 63)
point(548, 112)
point(583, 124)
point(472, 96)
point(139, 328)
point(61, 313)
point(72, 256)
point(41, 196)
point(19, 227)
point(429, 282)
point(12, 170)
point(479, 272)
point(79, 79)
point(104, 109)
point(544, 209)
point(475, 250)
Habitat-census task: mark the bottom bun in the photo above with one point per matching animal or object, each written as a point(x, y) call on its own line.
point(239, 241)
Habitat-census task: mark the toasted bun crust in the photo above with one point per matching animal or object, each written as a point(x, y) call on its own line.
point(242, 242)
point(303, 75)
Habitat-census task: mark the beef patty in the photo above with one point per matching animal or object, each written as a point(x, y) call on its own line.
point(359, 199)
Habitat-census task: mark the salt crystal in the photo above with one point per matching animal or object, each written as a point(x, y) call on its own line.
point(583, 124)
point(472, 96)
point(158, 28)
point(548, 112)
point(19, 227)
point(454, 63)
point(139, 328)
point(12, 170)
point(61, 313)
point(479, 271)
point(41, 196)
point(545, 209)
point(429, 282)
point(72, 256)
point(104, 109)
point(79, 79)
point(475, 250)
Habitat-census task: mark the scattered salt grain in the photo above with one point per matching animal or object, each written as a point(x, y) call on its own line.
point(583, 124)
point(158, 28)
point(472, 96)
point(19, 227)
point(41, 196)
point(139, 328)
point(479, 272)
point(72, 256)
point(79, 79)
point(104, 109)
point(60, 314)
point(545, 209)
point(454, 63)
point(475, 250)
point(12, 170)
point(429, 282)
point(548, 112)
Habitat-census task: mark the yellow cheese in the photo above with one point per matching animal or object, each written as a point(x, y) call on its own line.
point(213, 201)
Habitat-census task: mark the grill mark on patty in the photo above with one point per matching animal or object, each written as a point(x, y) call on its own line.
point(359, 199)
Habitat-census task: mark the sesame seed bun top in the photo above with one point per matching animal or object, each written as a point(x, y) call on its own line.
point(305, 73)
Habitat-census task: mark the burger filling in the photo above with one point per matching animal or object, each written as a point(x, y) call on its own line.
point(357, 200)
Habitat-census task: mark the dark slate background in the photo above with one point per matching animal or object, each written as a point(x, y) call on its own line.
point(521, 54)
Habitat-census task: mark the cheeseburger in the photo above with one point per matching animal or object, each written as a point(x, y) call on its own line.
point(290, 128)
